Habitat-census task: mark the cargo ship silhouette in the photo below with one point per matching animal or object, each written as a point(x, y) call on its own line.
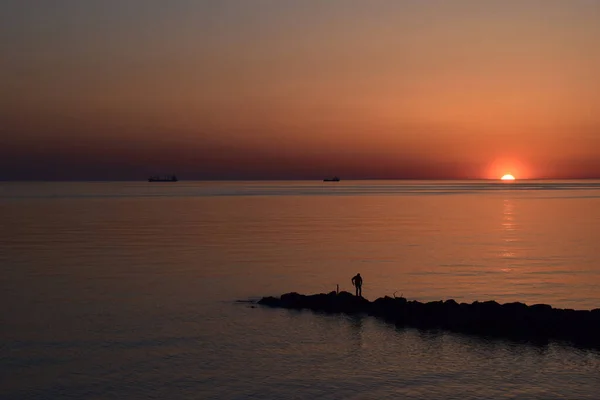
point(170, 178)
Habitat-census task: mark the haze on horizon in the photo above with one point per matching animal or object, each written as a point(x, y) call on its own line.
point(284, 89)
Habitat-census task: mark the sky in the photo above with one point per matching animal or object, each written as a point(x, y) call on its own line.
point(299, 89)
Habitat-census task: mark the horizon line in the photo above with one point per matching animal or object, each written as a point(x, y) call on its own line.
point(292, 179)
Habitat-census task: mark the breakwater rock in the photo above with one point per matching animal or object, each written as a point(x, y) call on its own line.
point(539, 322)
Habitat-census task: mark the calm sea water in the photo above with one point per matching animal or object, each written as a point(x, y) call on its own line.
point(127, 290)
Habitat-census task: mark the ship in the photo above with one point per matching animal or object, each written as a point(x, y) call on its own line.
point(169, 178)
point(334, 179)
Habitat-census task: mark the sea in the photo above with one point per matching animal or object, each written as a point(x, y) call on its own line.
point(137, 290)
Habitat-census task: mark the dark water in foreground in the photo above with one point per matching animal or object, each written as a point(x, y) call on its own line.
point(126, 290)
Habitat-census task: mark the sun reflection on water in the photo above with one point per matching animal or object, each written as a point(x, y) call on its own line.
point(509, 230)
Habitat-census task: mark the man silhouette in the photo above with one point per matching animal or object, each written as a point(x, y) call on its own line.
point(357, 282)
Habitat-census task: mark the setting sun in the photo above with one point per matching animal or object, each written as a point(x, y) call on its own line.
point(508, 177)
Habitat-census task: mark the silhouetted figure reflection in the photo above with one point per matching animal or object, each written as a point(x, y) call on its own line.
point(357, 282)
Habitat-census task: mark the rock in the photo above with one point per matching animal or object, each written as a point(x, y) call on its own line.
point(270, 301)
point(539, 322)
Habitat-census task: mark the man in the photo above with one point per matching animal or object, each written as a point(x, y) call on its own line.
point(357, 282)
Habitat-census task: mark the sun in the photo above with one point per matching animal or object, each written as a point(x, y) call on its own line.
point(508, 177)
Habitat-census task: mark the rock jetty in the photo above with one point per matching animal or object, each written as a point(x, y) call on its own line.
point(539, 322)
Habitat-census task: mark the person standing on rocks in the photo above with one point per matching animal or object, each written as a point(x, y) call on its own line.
point(357, 282)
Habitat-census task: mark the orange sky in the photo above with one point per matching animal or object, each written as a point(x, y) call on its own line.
point(269, 89)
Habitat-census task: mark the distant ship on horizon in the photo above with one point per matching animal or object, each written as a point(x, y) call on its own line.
point(334, 179)
point(169, 178)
